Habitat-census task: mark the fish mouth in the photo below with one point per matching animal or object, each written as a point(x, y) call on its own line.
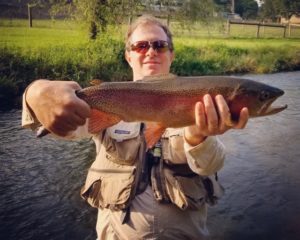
point(269, 109)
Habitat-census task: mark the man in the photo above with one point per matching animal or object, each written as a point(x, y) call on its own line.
point(158, 195)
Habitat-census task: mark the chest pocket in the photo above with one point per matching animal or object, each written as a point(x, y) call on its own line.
point(122, 143)
point(115, 175)
point(172, 146)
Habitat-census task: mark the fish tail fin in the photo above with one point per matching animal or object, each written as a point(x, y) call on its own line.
point(153, 133)
point(41, 132)
point(101, 120)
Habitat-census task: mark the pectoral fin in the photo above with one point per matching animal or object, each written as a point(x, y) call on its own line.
point(101, 120)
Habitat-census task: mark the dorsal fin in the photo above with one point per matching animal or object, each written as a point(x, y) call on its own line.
point(157, 77)
point(95, 82)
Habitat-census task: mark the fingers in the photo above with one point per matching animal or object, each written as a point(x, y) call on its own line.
point(78, 119)
point(57, 107)
point(62, 125)
point(82, 109)
point(211, 114)
point(214, 117)
point(200, 117)
point(62, 129)
point(70, 115)
point(243, 119)
point(224, 114)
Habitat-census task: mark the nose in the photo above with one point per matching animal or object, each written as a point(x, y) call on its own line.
point(151, 52)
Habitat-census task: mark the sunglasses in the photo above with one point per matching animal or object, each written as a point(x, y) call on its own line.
point(142, 47)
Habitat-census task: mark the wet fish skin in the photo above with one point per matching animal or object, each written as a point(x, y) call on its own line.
point(165, 101)
point(169, 101)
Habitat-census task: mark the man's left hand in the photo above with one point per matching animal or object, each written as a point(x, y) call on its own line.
point(212, 119)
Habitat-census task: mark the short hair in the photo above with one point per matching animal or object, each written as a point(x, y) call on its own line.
point(145, 20)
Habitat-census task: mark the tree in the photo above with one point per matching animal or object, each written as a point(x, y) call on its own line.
point(98, 14)
point(195, 10)
point(274, 8)
point(221, 1)
point(101, 13)
point(188, 11)
point(246, 8)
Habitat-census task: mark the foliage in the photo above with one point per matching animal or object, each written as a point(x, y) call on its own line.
point(274, 8)
point(98, 14)
point(246, 8)
point(195, 10)
point(186, 12)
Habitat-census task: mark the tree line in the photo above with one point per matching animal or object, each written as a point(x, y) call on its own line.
point(98, 14)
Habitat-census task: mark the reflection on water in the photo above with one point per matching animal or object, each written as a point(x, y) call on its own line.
point(40, 180)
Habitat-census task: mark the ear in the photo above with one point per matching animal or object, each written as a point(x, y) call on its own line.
point(127, 57)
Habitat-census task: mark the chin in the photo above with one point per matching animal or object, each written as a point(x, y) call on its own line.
point(153, 71)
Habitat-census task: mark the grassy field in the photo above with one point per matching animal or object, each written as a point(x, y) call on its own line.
point(62, 50)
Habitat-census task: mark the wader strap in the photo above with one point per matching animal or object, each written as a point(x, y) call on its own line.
point(125, 215)
point(157, 175)
point(145, 163)
point(158, 183)
point(144, 175)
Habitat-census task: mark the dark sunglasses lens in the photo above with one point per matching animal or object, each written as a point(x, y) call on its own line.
point(160, 46)
point(140, 47)
point(143, 46)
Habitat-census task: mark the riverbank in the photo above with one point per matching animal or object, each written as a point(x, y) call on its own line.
point(67, 53)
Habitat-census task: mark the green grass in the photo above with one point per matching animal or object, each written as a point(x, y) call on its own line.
point(229, 56)
point(40, 37)
point(62, 50)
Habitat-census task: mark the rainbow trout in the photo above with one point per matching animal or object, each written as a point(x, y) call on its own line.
point(169, 101)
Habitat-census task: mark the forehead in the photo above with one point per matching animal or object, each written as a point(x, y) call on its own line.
point(148, 32)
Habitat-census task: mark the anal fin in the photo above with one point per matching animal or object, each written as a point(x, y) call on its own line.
point(153, 133)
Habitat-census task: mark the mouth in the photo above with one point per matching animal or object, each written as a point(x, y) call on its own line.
point(269, 109)
point(151, 62)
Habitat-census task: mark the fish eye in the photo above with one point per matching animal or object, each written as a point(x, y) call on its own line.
point(264, 96)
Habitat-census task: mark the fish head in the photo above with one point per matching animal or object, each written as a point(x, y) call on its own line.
point(257, 97)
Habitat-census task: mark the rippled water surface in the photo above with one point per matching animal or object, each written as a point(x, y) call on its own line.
point(262, 173)
point(40, 179)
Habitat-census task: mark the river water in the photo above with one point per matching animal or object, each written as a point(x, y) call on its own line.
point(40, 179)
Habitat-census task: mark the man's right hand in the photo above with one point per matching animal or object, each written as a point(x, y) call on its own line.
point(56, 105)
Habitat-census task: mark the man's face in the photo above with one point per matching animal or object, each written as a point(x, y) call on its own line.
point(151, 62)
